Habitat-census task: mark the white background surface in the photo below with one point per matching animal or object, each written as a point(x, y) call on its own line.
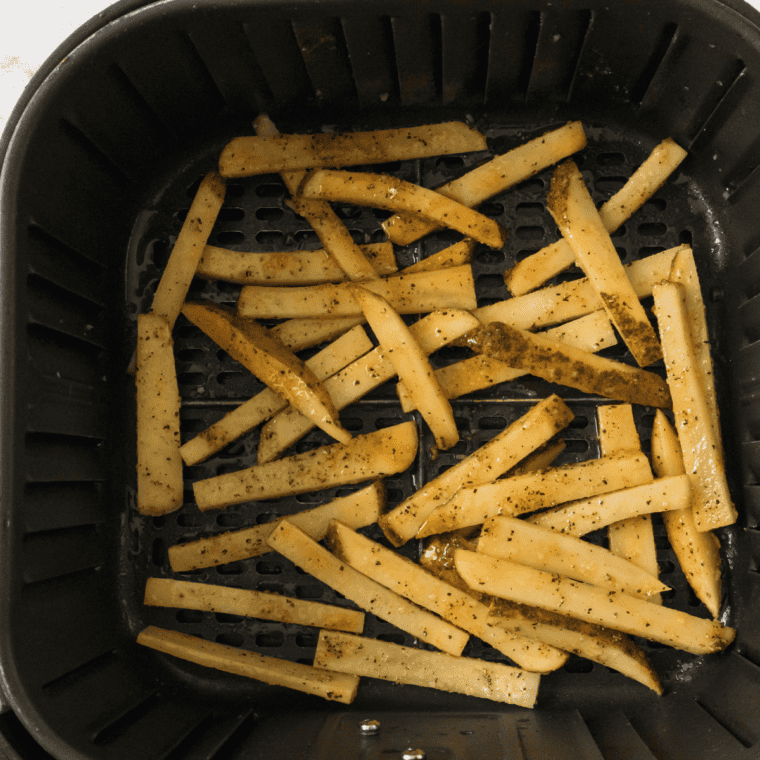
point(32, 29)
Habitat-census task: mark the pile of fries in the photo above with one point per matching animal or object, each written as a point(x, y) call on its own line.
point(502, 555)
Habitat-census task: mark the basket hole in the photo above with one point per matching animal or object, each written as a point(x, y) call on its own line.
point(394, 495)
point(381, 214)
point(578, 665)
point(491, 210)
point(622, 253)
point(487, 256)
point(191, 355)
point(352, 423)
point(224, 469)
point(231, 214)
point(392, 638)
point(189, 616)
point(650, 250)
point(348, 212)
point(652, 229)
point(621, 231)
point(268, 568)
point(230, 639)
point(233, 568)
point(529, 209)
point(269, 214)
point(159, 253)
point(611, 158)
point(229, 520)
point(490, 281)
point(579, 422)
point(309, 591)
point(191, 378)
point(270, 237)
point(450, 354)
point(685, 237)
point(234, 190)
point(306, 640)
point(533, 185)
point(666, 567)
point(523, 253)
point(450, 162)
point(492, 423)
point(158, 552)
point(270, 639)
point(225, 378)
point(386, 422)
point(609, 185)
point(655, 205)
point(308, 498)
point(576, 446)
point(225, 617)
point(302, 447)
point(265, 517)
point(271, 588)
point(186, 521)
point(307, 237)
point(159, 521)
point(270, 190)
point(530, 232)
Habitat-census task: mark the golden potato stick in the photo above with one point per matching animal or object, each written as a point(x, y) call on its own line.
point(187, 251)
point(484, 465)
point(159, 464)
point(535, 270)
point(542, 549)
point(493, 177)
point(520, 494)
point(590, 333)
point(414, 582)
point(270, 361)
point(287, 267)
point(552, 306)
point(621, 612)
point(246, 156)
point(264, 405)
point(307, 554)
point(298, 334)
point(165, 592)
point(453, 256)
point(357, 510)
point(392, 194)
point(359, 656)
point(703, 462)
point(698, 552)
point(329, 684)
point(408, 294)
point(564, 364)
point(581, 517)
point(609, 648)
point(370, 371)
point(366, 457)
point(411, 365)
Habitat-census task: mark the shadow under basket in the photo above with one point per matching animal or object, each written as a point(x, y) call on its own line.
point(100, 165)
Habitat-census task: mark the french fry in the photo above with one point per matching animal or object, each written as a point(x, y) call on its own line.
point(576, 216)
point(484, 465)
point(371, 596)
point(618, 611)
point(298, 334)
point(188, 249)
point(453, 256)
point(392, 662)
point(567, 365)
point(698, 553)
point(246, 156)
point(159, 464)
point(520, 494)
point(366, 457)
point(493, 177)
point(581, 517)
point(357, 510)
point(165, 592)
point(329, 684)
point(542, 549)
point(408, 294)
point(264, 405)
point(414, 582)
point(535, 270)
point(702, 453)
point(392, 194)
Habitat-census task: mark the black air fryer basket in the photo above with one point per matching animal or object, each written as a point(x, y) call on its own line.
point(100, 163)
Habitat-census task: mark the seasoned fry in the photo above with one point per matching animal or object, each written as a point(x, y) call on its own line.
point(436, 670)
point(165, 592)
point(453, 256)
point(303, 551)
point(383, 452)
point(493, 177)
point(328, 684)
point(620, 612)
point(298, 334)
point(357, 510)
point(576, 216)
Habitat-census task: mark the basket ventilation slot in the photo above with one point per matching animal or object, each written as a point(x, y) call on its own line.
point(370, 46)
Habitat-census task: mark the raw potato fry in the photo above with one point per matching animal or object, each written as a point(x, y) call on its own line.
point(609, 648)
point(435, 670)
point(384, 452)
point(303, 551)
point(370, 371)
point(621, 612)
point(581, 517)
point(411, 364)
point(567, 365)
point(270, 361)
point(328, 684)
point(187, 251)
point(484, 465)
point(453, 256)
point(542, 549)
point(392, 194)
point(159, 464)
point(407, 293)
point(264, 405)
point(412, 581)
point(356, 510)
point(520, 494)
point(493, 177)
point(298, 334)
point(698, 552)
point(287, 267)
point(576, 216)
point(702, 454)
point(536, 269)
point(165, 592)
point(246, 156)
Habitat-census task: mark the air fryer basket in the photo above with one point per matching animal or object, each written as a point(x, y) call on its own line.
point(98, 169)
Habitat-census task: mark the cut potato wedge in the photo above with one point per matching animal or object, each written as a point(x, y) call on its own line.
point(366, 457)
point(329, 684)
point(435, 670)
